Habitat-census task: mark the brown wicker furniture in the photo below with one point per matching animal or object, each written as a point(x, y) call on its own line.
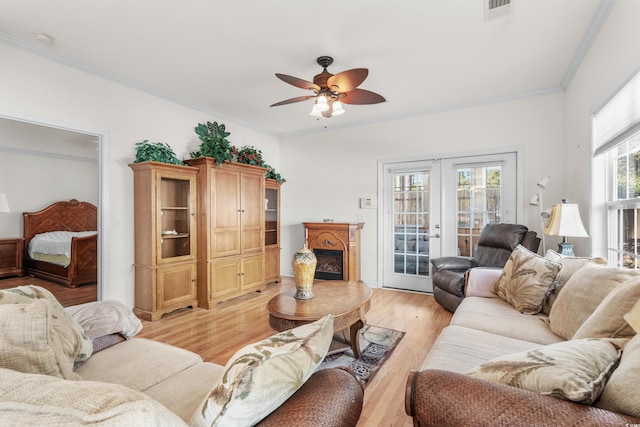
point(65, 216)
point(347, 301)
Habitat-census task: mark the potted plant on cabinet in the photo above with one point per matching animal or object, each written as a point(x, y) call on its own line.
point(155, 152)
point(214, 143)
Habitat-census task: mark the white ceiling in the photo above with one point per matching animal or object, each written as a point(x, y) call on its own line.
point(221, 56)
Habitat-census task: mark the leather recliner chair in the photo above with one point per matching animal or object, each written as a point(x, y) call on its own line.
point(495, 244)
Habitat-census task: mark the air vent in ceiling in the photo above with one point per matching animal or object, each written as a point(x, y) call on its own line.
point(496, 8)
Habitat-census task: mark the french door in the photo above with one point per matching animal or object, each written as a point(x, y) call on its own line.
point(435, 208)
point(411, 224)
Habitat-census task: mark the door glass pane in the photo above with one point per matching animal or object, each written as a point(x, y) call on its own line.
point(411, 223)
point(478, 203)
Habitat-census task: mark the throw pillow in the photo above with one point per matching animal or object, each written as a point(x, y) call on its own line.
point(606, 321)
point(582, 294)
point(569, 266)
point(480, 281)
point(40, 400)
point(261, 376)
point(101, 318)
point(575, 370)
point(623, 388)
point(27, 342)
point(77, 346)
point(526, 279)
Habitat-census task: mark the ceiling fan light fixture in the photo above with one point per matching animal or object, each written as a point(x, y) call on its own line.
point(337, 108)
point(322, 104)
point(315, 112)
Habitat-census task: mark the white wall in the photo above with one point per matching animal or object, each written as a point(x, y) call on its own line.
point(43, 91)
point(328, 172)
point(33, 182)
point(614, 56)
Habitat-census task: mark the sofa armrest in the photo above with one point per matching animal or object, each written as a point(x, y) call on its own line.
point(441, 398)
point(331, 397)
point(454, 263)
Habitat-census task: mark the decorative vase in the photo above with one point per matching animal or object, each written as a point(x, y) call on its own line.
point(304, 269)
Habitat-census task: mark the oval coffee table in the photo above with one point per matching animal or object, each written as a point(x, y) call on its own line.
point(347, 301)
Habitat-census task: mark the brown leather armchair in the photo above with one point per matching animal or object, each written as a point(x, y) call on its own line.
point(495, 244)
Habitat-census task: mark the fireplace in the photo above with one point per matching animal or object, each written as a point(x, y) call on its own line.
point(337, 248)
point(330, 264)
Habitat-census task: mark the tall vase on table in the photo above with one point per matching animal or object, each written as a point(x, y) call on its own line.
point(304, 269)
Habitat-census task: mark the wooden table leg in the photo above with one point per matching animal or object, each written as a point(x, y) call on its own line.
point(355, 337)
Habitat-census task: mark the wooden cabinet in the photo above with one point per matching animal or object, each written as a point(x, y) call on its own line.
point(165, 238)
point(11, 253)
point(272, 231)
point(231, 230)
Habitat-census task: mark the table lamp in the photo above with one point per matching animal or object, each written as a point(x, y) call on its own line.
point(4, 205)
point(565, 221)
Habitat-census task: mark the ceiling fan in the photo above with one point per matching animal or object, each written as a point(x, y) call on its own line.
point(332, 90)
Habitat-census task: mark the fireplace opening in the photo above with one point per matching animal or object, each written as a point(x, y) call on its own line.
point(329, 266)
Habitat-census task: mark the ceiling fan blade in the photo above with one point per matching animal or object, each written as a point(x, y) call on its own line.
point(347, 80)
point(361, 97)
point(292, 100)
point(302, 84)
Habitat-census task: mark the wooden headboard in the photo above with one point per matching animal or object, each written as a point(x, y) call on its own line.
point(61, 216)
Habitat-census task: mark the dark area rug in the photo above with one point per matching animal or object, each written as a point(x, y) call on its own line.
point(376, 345)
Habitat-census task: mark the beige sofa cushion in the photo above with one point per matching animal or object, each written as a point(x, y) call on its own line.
point(28, 343)
point(622, 392)
point(261, 376)
point(582, 294)
point(137, 363)
point(499, 317)
point(575, 370)
point(459, 349)
point(41, 400)
point(192, 385)
point(526, 279)
point(77, 346)
point(606, 321)
point(569, 266)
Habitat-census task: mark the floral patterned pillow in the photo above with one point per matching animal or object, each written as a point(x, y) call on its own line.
point(75, 343)
point(526, 279)
point(261, 376)
point(575, 370)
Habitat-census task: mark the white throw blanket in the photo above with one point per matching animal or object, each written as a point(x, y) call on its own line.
point(55, 242)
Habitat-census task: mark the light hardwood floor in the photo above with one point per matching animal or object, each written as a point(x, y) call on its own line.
point(217, 334)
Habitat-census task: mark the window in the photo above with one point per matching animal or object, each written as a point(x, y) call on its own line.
point(616, 177)
point(624, 205)
point(478, 203)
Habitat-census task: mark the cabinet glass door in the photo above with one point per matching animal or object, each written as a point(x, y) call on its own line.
point(271, 217)
point(175, 218)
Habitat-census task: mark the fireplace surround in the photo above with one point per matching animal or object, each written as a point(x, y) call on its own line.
point(326, 240)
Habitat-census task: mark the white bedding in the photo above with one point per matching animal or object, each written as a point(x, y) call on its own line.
point(55, 242)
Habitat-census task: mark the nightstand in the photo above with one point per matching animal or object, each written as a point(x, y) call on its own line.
point(11, 253)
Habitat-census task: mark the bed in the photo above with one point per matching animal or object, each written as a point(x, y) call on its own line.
point(74, 221)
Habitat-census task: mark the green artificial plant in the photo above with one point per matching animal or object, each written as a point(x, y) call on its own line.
point(214, 142)
point(252, 156)
point(155, 152)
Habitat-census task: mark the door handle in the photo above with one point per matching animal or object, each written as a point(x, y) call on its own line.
point(436, 236)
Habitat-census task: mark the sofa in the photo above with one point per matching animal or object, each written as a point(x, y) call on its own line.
point(495, 244)
point(543, 341)
point(84, 365)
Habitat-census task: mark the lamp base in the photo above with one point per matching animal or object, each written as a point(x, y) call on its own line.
point(565, 249)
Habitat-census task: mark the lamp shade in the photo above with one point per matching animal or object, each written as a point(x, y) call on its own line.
point(4, 205)
point(565, 221)
point(633, 317)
